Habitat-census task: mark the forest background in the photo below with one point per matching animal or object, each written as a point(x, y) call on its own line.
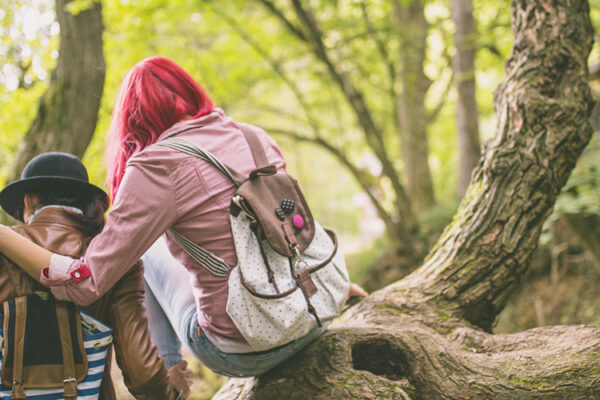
point(379, 106)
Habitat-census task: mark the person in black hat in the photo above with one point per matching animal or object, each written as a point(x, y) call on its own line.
point(56, 179)
point(61, 211)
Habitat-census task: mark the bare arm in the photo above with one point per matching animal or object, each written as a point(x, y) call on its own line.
point(23, 252)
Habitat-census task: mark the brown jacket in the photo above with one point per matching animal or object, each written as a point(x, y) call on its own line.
point(121, 307)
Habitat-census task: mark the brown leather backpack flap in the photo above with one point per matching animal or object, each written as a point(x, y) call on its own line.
point(42, 376)
point(265, 194)
point(28, 357)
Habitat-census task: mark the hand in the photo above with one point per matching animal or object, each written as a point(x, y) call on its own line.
point(357, 291)
point(181, 378)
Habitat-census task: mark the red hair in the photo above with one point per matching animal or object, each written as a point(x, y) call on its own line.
point(155, 94)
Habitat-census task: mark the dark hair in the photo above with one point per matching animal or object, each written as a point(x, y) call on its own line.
point(92, 205)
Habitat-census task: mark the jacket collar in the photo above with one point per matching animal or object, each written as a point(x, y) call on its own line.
point(68, 209)
point(55, 215)
point(188, 124)
point(54, 229)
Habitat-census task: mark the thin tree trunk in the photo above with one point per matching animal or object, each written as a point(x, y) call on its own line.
point(68, 111)
point(426, 336)
point(466, 107)
point(411, 111)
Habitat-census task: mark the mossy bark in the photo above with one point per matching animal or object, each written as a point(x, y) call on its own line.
point(428, 335)
point(394, 356)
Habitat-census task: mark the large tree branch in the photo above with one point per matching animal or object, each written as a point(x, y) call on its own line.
point(382, 351)
point(543, 108)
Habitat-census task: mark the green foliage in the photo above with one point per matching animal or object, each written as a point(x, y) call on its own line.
point(235, 49)
point(330, 195)
point(28, 44)
point(261, 73)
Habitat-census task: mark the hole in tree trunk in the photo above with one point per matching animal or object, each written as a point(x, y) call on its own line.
point(380, 358)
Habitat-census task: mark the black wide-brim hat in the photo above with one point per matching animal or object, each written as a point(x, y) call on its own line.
point(62, 171)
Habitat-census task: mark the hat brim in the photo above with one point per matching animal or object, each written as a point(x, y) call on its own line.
point(11, 197)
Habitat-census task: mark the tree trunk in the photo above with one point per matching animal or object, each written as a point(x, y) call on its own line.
point(427, 336)
point(411, 111)
point(467, 117)
point(68, 111)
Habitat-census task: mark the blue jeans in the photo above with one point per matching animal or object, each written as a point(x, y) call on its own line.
point(173, 320)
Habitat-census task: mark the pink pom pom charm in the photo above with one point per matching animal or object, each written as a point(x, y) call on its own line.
point(298, 221)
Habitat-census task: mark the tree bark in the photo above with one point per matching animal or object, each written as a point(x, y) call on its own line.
point(68, 111)
point(427, 336)
point(401, 358)
point(467, 116)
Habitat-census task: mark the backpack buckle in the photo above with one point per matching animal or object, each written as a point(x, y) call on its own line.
point(241, 207)
point(296, 249)
point(300, 265)
point(18, 391)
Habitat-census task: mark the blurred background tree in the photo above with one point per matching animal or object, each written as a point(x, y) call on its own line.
point(67, 112)
point(378, 105)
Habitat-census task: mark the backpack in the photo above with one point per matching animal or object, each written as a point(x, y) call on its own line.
point(290, 276)
point(50, 349)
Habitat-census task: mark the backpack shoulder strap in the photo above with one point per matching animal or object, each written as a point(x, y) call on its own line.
point(193, 149)
point(20, 311)
point(67, 342)
point(207, 259)
point(258, 152)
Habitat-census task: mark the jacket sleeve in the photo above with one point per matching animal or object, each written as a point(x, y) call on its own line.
point(144, 372)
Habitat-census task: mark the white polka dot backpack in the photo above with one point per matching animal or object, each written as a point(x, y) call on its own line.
point(290, 276)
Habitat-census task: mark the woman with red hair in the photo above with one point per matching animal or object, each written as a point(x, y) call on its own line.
point(156, 189)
